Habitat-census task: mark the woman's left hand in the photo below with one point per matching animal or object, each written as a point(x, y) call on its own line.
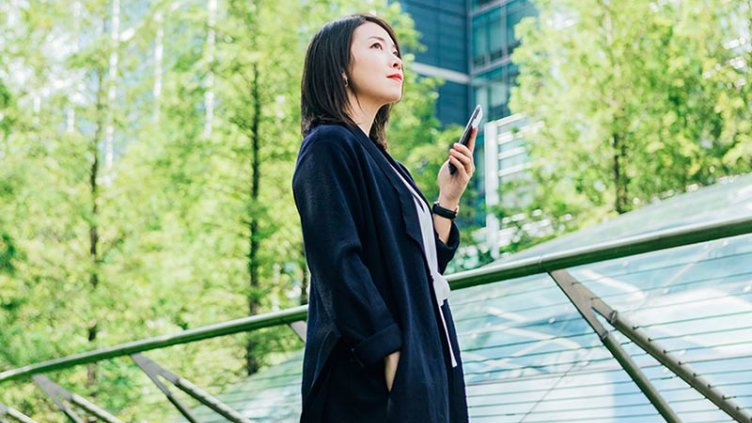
point(451, 186)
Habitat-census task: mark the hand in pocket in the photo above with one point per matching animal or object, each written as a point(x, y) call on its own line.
point(390, 368)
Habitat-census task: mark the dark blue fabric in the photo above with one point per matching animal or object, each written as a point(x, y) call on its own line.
point(371, 292)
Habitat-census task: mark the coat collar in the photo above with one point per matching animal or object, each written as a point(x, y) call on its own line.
point(386, 162)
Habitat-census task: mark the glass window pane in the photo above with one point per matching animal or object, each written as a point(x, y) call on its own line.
point(481, 96)
point(516, 10)
point(480, 40)
point(511, 145)
point(496, 35)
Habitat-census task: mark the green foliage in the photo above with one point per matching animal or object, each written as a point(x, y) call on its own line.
point(159, 239)
point(633, 101)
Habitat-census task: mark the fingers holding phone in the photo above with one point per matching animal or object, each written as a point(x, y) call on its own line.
point(467, 139)
point(461, 156)
point(456, 172)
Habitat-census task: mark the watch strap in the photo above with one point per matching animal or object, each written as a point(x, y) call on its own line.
point(444, 212)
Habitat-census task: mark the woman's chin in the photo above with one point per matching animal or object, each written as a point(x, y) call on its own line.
point(394, 98)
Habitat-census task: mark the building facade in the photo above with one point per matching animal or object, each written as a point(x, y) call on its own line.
point(470, 45)
point(507, 164)
point(444, 30)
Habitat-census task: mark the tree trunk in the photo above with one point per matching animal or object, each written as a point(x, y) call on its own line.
point(92, 325)
point(252, 363)
point(112, 91)
point(621, 200)
point(618, 137)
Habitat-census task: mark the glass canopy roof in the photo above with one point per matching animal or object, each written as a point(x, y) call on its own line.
point(529, 356)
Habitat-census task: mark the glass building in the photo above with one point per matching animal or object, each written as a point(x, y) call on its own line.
point(507, 161)
point(529, 355)
point(469, 45)
point(443, 27)
point(493, 41)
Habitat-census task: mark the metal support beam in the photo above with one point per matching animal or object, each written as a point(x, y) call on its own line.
point(681, 369)
point(608, 250)
point(589, 301)
point(48, 387)
point(245, 324)
point(58, 394)
point(153, 370)
point(6, 411)
point(583, 300)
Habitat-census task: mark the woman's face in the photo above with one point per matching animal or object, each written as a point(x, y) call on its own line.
point(376, 69)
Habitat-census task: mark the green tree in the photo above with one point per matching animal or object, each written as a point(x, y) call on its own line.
point(146, 156)
point(625, 104)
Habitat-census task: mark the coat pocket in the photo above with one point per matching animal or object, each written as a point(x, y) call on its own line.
point(396, 382)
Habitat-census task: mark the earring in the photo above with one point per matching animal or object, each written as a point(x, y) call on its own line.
point(346, 82)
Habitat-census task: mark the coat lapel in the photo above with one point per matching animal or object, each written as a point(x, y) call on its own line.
point(409, 213)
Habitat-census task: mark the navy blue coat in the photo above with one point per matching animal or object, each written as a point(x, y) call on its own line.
point(371, 291)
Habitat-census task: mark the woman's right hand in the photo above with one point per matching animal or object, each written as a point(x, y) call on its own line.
point(390, 368)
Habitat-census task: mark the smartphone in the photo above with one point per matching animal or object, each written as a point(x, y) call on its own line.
point(465, 138)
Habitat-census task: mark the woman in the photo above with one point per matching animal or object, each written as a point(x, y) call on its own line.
point(381, 345)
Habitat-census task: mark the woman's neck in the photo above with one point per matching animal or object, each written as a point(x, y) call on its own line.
point(362, 114)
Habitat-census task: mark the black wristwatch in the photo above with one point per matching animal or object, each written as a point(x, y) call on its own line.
point(444, 212)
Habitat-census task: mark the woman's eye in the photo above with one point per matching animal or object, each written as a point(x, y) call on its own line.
point(376, 45)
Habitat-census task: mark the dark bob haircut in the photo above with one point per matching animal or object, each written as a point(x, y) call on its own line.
point(323, 93)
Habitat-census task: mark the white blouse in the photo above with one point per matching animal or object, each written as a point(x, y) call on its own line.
point(440, 284)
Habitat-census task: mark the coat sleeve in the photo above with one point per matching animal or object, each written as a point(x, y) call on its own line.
point(327, 197)
point(445, 251)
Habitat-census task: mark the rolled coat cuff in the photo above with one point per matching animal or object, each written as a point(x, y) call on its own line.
point(445, 250)
point(378, 345)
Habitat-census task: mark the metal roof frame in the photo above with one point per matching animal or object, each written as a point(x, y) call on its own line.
point(552, 264)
